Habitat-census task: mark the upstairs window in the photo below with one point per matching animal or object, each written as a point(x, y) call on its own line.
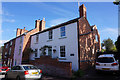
point(5, 55)
point(20, 50)
point(50, 34)
point(62, 51)
point(20, 39)
point(96, 38)
point(37, 38)
point(9, 51)
point(10, 43)
point(62, 32)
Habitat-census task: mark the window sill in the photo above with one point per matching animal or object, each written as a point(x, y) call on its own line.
point(36, 43)
point(36, 57)
point(49, 40)
point(62, 58)
point(62, 37)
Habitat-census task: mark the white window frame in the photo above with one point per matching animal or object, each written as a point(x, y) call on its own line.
point(62, 31)
point(50, 34)
point(37, 38)
point(62, 51)
point(20, 48)
point(20, 39)
point(11, 43)
point(5, 55)
point(10, 51)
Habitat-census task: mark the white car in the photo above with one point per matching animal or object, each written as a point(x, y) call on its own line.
point(24, 72)
point(107, 62)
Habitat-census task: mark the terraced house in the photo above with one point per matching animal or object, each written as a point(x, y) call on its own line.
point(58, 50)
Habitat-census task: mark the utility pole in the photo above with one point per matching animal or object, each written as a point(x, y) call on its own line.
point(117, 2)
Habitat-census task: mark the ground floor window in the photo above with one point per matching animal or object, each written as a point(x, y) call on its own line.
point(35, 52)
point(62, 51)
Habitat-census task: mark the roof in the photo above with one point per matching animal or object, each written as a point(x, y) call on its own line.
point(57, 26)
point(106, 55)
point(14, 38)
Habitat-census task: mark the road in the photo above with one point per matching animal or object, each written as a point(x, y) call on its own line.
point(2, 77)
point(92, 75)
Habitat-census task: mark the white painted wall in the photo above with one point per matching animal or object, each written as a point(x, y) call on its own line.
point(70, 42)
point(119, 19)
point(17, 56)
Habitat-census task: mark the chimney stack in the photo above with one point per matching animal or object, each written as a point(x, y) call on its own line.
point(40, 25)
point(37, 23)
point(82, 11)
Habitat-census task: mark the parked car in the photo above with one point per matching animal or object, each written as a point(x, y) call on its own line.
point(24, 72)
point(107, 62)
point(4, 69)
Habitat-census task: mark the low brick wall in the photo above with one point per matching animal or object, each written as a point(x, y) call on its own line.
point(53, 66)
point(86, 65)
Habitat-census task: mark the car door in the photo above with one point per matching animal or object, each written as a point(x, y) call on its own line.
point(19, 72)
point(11, 73)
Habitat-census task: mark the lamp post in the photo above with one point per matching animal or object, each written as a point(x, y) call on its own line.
point(117, 2)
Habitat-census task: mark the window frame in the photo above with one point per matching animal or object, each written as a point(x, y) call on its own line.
point(63, 31)
point(10, 51)
point(11, 43)
point(64, 51)
point(5, 56)
point(37, 38)
point(21, 39)
point(36, 53)
point(50, 34)
point(20, 48)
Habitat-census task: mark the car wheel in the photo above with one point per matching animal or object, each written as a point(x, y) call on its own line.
point(6, 77)
point(17, 78)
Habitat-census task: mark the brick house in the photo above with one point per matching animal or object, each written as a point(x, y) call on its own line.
point(74, 41)
point(15, 49)
point(57, 50)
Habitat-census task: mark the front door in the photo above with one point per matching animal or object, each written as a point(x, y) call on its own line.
point(50, 51)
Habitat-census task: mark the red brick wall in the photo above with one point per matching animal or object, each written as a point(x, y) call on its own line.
point(11, 56)
point(88, 43)
point(53, 66)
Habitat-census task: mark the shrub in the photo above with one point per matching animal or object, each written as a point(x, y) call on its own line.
point(78, 73)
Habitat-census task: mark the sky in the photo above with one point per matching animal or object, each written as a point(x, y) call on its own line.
point(23, 14)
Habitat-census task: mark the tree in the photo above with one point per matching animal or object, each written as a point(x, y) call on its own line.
point(116, 2)
point(117, 44)
point(108, 44)
point(1, 49)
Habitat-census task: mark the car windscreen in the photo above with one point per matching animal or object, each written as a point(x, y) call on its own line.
point(29, 67)
point(105, 60)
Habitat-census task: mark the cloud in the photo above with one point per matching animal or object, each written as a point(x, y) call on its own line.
point(113, 30)
point(14, 30)
point(4, 12)
point(1, 31)
point(58, 10)
point(109, 33)
point(2, 42)
point(9, 20)
point(57, 21)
